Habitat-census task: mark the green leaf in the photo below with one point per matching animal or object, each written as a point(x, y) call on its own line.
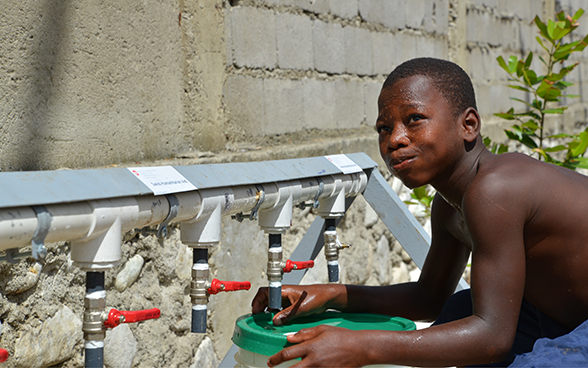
point(512, 64)
point(580, 162)
point(559, 110)
point(561, 135)
point(573, 96)
point(529, 60)
point(530, 125)
point(521, 101)
point(578, 14)
point(561, 16)
point(542, 45)
point(582, 146)
point(557, 148)
point(505, 116)
point(551, 25)
point(543, 29)
point(521, 88)
point(502, 63)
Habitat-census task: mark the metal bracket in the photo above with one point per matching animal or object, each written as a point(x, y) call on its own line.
point(255, 209)
point(39, 251)
point(13, 255)
point(315, 202)
point(253, 215)
point(174, 205)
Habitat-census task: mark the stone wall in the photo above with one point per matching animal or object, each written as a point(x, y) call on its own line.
point(89, 84)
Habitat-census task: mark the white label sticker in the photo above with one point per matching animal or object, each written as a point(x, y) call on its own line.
point(344, 163)
point(162, 179)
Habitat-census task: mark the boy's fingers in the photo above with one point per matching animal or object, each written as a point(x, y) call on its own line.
point(260, 301)
point(304, 335)
point(290, 312)
point(286, 354)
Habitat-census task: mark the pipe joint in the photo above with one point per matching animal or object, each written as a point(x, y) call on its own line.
point(92, 326)
point(275, 265)
point(333, 245)
point(199, 285)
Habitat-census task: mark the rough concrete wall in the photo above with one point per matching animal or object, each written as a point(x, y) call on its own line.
point(85, 84)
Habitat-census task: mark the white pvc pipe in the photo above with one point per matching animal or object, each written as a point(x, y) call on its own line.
point(81, 222)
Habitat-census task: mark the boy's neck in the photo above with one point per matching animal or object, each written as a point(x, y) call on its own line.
point(453, 187)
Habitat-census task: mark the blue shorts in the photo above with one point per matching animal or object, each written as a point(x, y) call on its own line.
point(533, 326)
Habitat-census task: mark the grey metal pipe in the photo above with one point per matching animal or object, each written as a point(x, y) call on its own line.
point(274, 273)
point(94, 333)
point(198, 289)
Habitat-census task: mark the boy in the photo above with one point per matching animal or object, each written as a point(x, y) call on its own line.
point(523, 221)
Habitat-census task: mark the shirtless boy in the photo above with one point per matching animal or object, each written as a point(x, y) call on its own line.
point(524, 222)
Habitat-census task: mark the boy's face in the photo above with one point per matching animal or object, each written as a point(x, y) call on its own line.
point(420, 139)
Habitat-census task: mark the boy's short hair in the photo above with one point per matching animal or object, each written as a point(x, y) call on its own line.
point(449, 79)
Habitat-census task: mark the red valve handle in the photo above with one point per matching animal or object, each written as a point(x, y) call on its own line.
point(216, 286)
point(116, 317)
point(293, 265)
point(3, 355)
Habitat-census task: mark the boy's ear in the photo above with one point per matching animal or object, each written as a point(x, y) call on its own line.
point(471, 124)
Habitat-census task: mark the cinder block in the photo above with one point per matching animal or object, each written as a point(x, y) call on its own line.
point(415, 14)
point(319, 104)
point(371, 10)
point(294, 40)
point(527, 37)
point(405, 47)
point(430, 18)
point(284, 111)
point(243, 97)
point(315, 6)
point(358, 51)
point(345, 9)
point(389, 13)
point(507, 34)
point(253, 37)
point(441, 48)
point(395, 13)
point(425, 46)
point(328, 47)
point(349, 104)
point(384, 52)
point(474, 62)
point(372, 92)
point(228, 37)
point(442, 16)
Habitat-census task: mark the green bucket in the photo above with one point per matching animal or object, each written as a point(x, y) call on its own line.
point(256, 333)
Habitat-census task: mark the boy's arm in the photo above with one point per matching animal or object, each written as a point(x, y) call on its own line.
point(442, 270)
point(495, 218)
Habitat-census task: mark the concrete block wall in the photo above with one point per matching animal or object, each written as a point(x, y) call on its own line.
point(320, 63)
point(497, 27)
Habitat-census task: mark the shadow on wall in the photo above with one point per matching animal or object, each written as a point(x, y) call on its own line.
point(43, 85)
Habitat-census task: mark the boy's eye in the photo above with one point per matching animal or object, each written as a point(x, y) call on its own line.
point(382, 128)
point(415, 117)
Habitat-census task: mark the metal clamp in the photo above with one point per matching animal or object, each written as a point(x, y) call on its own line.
point(39, 250)
point(253, 215)
point(174, 206)
point(315, 202)
point(255, 209)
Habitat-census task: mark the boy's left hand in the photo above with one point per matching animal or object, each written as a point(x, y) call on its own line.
point(323, 346)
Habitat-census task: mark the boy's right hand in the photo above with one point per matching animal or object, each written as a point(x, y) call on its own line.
point(298, 301)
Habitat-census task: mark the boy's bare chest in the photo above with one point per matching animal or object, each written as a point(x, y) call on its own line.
point(458, 228)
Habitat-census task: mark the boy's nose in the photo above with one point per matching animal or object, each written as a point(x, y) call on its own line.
point(398, 138)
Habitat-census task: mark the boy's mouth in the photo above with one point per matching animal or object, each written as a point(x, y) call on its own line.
point(401, 163)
